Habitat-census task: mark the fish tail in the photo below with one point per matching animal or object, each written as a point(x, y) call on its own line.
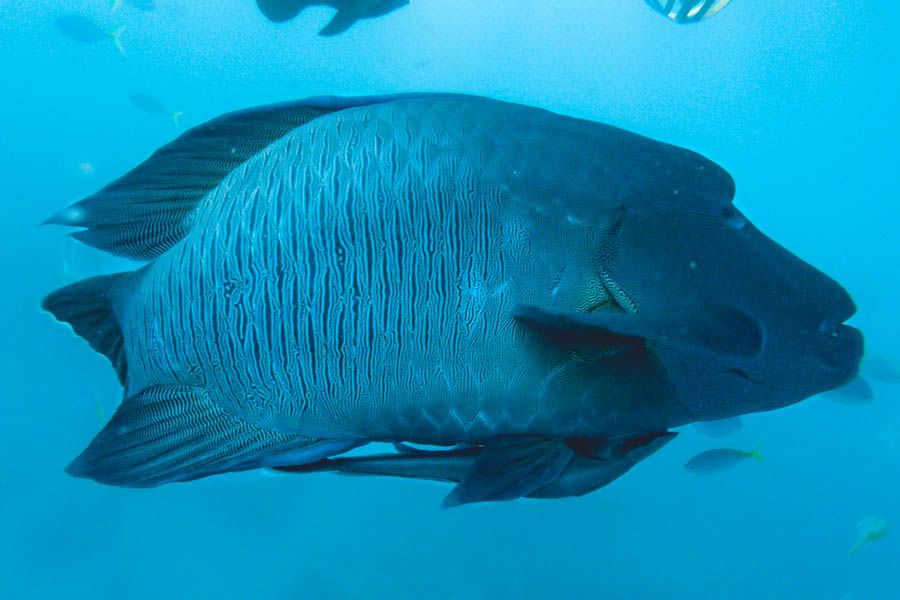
point(88, 307)
point(116, 35)
point(856, 546)
point(755, 453)
point(176, 116)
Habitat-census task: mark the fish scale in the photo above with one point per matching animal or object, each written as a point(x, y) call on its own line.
point(321, 388)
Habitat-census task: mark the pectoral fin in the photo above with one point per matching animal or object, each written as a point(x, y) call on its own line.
point(718, 329)
point(341, 22)
point(509, 468)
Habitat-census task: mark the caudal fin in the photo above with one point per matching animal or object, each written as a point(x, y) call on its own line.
point(88, 306)
point(755, 453)
point(176, 117)
point(116, 35)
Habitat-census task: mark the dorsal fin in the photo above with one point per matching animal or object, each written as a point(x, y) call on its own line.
point(149, 209)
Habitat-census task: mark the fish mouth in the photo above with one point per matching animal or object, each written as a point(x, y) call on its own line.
point(843, 353)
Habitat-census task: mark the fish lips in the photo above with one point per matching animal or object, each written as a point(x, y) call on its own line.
point(842, 353)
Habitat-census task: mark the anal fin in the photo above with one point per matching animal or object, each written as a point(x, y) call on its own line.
point(176, 433)
point(509, 468)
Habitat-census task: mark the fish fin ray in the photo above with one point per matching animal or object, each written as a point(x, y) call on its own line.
point(88, 307)
point(165, 434)
point(446, 465)
point(509, 468)
point(152, 207)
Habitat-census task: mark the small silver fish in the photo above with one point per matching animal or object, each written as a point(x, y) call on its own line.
point(81, 29)
point(151, 105)
point(720, 459)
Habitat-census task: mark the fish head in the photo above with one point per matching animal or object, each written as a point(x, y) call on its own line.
point(766, 328)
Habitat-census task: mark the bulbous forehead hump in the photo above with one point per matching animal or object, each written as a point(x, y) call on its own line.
point(608, 167)
point(657, 176)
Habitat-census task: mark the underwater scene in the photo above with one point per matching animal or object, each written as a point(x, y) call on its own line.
point(457, 299)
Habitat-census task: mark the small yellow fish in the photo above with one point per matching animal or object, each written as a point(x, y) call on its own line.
point(101, 414)
point(870, 529)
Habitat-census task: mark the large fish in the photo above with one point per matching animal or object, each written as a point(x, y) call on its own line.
point(347, 12)
point(434, 269)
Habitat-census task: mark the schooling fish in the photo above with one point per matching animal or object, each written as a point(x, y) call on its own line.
point(719, 427)
point(687, 11)
point(348, 11)
point(151, 105)
point(82, 29)
point(720, 459)
point(433, 269)
point(144, 5)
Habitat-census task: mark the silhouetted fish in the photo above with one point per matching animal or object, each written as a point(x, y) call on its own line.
point(82, 29)
point(348, 11)
point(435, 269)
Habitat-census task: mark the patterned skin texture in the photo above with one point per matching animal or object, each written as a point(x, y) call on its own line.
point(356, 278)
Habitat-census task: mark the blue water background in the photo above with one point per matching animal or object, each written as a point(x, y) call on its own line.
point(797, 99)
